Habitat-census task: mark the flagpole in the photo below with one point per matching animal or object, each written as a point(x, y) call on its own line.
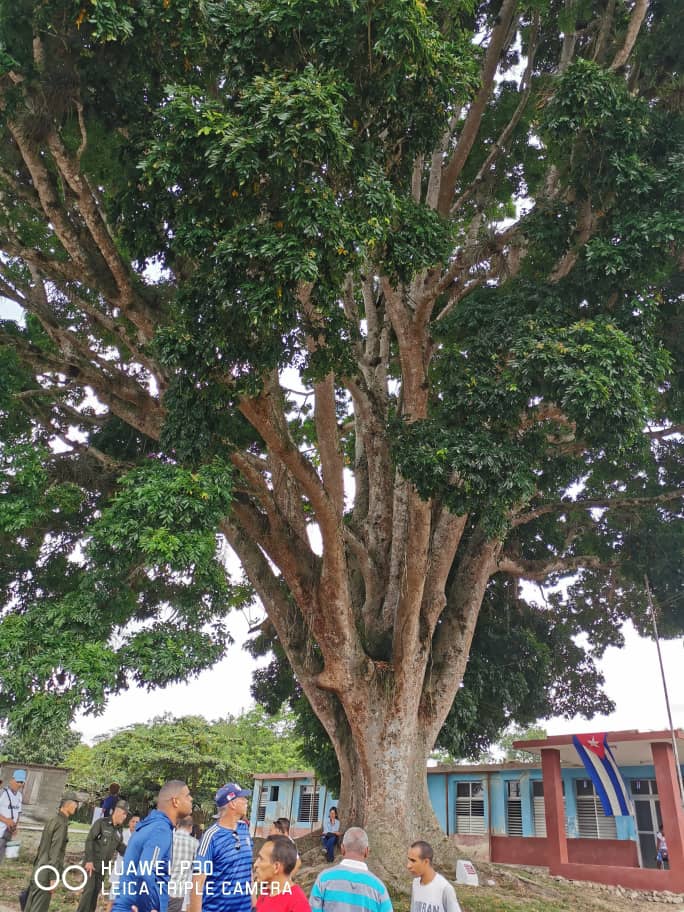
point(667, 697)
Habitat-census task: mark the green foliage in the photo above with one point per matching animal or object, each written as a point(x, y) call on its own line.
point(204, 754)
point(520, 755)
point(263, 168)
point(51, 749)
point(131, 588)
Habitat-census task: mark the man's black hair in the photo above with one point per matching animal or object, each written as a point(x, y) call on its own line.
point(284, 851)
point(424, 848)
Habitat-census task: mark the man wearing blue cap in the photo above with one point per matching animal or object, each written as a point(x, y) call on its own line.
point(10, 808)
point(224, 857)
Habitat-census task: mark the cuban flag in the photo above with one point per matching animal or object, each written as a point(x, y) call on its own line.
point(599, 762)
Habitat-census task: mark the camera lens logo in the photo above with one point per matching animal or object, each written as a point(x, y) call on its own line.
point(69, 883)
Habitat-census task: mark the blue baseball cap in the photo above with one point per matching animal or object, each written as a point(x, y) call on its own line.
point(230, 792)
point(19, 775)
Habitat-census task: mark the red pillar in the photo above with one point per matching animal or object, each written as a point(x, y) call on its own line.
point(670, 802)
point(553, 808)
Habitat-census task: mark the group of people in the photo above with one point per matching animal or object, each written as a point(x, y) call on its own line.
point(162, 867)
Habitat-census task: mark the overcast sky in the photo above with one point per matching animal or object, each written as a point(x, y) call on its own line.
point(632, 680)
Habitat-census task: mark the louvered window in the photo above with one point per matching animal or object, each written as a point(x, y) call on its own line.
point(539, 810)
point(514, 825)
point(470, 817)
point(591, 820)
point(261, 810)
point(308, 804)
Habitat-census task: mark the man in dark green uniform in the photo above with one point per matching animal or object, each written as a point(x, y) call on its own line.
point(103, 841)
point(49, 861)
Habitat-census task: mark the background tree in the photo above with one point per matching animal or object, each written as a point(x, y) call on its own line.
point(204, 754)
point(52, 749)
point(402, 274)
point(519, 755)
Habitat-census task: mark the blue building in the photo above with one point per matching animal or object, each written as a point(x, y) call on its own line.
point(540, 813)
point(296, 795)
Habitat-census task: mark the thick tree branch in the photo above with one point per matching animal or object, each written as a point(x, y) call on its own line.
point(587, 223)
point(541, 569)
point(446, 538)
point(500, 144)
point(662, 433)
point(604, 32)
point(606, 503)
point(633, 29)
point(325, 412)
point(453, 636)
point(497, 43)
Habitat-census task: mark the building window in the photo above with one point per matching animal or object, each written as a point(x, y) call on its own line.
point(643, 787)
point(538, 808)
point(275, 791)
point(31, 792)
point(514, 825)
point(592, 822)
point(470, 817)
point(261, 810)
point(308, 804)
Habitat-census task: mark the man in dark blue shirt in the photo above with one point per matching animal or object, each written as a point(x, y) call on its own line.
point(147, 862)
point(109, 803)
point(224, 857)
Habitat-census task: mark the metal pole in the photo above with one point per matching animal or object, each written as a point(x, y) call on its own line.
point(667, 697)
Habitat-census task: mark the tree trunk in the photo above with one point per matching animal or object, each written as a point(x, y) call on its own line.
point(383, 766)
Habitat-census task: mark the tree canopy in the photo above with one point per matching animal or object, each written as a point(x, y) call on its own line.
point(382, 297)
point(51, 749)
point(206, 755)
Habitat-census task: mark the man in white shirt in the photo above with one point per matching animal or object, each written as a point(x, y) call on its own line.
point(10, 808)
point(430, 891)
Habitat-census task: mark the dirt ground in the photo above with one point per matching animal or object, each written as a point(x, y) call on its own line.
point(503, 889)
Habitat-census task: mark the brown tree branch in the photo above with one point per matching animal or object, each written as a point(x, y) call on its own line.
point(661, 433)
point(325, 412)
point(604, 32)
point(447, 532)
point(541, 569)
point(497, 43)
point(607, 503)
point(453, 635)
point(505, 135)
point(586, 226)
point(633, 29)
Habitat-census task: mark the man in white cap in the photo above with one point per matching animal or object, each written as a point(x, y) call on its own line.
point(224, 857)
point(10, 808)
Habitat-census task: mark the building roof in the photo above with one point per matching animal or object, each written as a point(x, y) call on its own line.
point(630, 748)
point(291, 774)
point(15, 764)
point(479, 767)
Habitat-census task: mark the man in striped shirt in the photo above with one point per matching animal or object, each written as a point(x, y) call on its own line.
point(350, 886)
point(224, 858)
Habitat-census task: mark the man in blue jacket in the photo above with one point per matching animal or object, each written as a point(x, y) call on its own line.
point(147, 862)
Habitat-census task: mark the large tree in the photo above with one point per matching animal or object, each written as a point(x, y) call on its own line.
point(383, 293)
